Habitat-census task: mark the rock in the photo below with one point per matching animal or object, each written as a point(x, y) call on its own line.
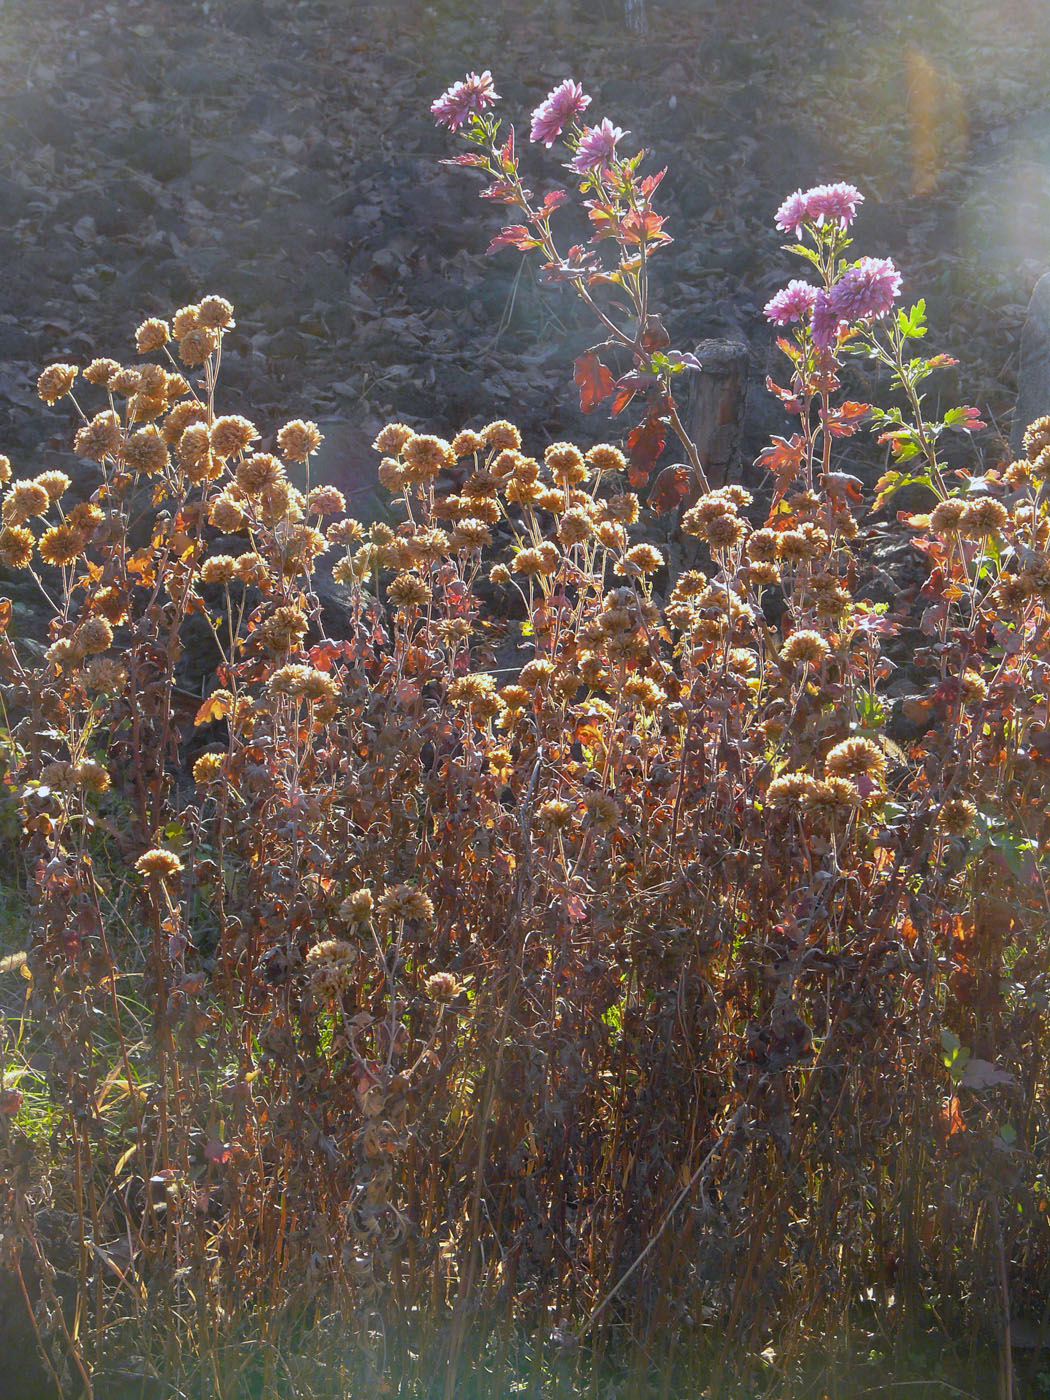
point(1033, 375)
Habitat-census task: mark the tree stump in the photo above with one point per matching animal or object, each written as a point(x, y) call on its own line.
point(1033, 374)
point(715, 410)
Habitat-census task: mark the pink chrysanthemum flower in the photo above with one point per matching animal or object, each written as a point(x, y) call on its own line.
point(833, 204)
point(549, 119)
point(792, 303)
point(823, 204)
point(792, 214)
point(597, 147)
point(472, 94)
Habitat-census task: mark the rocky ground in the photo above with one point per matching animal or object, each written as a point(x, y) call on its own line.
point(282, 153)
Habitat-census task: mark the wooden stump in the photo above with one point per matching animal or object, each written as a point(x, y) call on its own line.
point(715, 411)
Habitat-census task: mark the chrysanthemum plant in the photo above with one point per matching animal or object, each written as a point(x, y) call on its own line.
point(562, 951)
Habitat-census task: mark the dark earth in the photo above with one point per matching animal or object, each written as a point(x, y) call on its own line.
point(283, 154)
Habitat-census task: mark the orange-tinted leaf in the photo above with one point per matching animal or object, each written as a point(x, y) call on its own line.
point(217, 706)
point(782, 457)
point(593, 379)
point(5, 613)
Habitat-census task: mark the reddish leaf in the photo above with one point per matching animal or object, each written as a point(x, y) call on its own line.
point(644, 445)
point(5, 614)
point(515, 236)
point(649, 183)
point(593, 379)
point(554, 199)
point(324, 653)
point(643, 228)
point(468, 158)
point(672, 487)
point(507, 154)
point(654, 335)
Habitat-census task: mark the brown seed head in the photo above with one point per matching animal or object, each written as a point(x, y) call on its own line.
point(216, 313)
point(231, 435)
point(55, 382)
point(24, 500)
point(100, 372)
point(152, 335)
point(16, 546)
point(501, 434)
point(159, 864)
point(603, 457)
point(298, 439)
point(466, 442)
point(145, 452)
point(100, 438)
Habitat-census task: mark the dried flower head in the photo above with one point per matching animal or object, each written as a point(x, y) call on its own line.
point(152, 335)
point(196, 345)
point(325, 500)
point(101, 371)
point(424, 456)
point(856, 758)
point(947, 516)
point(180, 418)
point(442, 987)
point(805, 648)
point(957, 816)
point(55, 382)
point(55, 483)
point(284, 629)
point(100, 438)
point(555, 814)
point(231, 435)
point(208, 768)
point(466, 442)
point(220, 568)
point(392, 438)
point(94, 635)
point(298, 439)
point(982, 518)
point(226, 514)
point(61, 544)
point(24, 500)
point(159, 864)
point(565, 463)
point(145, 452)
point(1036, 437)
point(357, 907)
point(258, 472)
point(216, 313)
point(16, 546)
point(407, 903)
point(501, 435)
point(640, 559)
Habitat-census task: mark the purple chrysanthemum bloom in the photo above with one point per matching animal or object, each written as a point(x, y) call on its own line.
point(823, 204)
point(567, 100)
point(867, 290)
point(792, 303)
point(472, 94)
point(825, 324)
point(861, 293)
point(597, 147)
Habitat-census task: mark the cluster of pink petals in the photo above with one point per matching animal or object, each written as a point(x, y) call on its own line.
point(792, 303)
point(559, 107)
point(823, 204)
point(472, 94)
point(597, 147)
point(862, 292)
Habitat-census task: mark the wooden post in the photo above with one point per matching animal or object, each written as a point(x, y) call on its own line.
point(715, 411)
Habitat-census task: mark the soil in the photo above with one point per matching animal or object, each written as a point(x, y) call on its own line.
point(283, 154)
